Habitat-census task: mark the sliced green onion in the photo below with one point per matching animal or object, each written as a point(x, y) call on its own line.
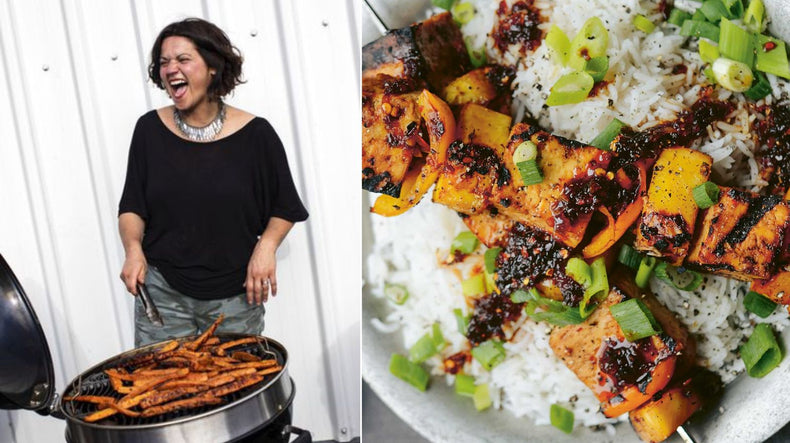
point(732, 75)
point(559, 43)
point(643, 24)
point(561, 418)
point(603, 140)
point(635, 319)
point(590, 42)
point(735, 7)
point(438, 337)
point(490, 259)
point(735, 43)
point(463, 13)
point(489, 353)
point(571, 88)
point(465, 385)
point(524, 152)
point(444, 4)
point(753, 18)
point(760, 88)
point(758, 304)
point(708, 52)
point(409, 372)
point(597, 67)
point(678, 16)
point(580, 271)
point(709, 74)
point(530, 172)
point(645, 270)
point(474, 285)
point(629, 256)
point(699, 16)
point(477, 56)
point(423, 349)
point(519, 296)
point(598, 289)
point(553, 311)
point(465, 243)
point(697, 28)
point(714, 10)
point(461, 320)
point(761, 353)
point(398, 294)
point(705, 195)
point(490, 282)
point(773, 61)
point(679, 278)
point(481, 397)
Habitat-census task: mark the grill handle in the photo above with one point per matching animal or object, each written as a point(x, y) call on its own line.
point(150, 308)
point(302, 435)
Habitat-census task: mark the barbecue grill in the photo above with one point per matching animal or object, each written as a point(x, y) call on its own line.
point(258, 413)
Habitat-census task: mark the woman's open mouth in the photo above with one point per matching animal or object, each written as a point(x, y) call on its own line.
point(179, 88)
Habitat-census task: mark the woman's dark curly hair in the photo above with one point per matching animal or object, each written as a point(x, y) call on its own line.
point(215, 48)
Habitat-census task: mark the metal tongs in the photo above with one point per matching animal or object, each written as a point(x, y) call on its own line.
point(150, 308)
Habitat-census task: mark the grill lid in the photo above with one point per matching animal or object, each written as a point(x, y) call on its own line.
point(27, 378)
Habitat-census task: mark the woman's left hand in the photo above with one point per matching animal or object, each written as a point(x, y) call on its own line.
point(261, 274)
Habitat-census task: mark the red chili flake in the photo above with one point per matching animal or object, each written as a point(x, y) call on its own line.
point(769, 46)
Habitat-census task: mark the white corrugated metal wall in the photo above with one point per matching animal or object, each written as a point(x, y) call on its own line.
point(72, 84)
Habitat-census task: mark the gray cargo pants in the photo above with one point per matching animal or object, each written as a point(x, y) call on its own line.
point(184, 316)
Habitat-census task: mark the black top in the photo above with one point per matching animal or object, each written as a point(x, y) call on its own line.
point(205, 204)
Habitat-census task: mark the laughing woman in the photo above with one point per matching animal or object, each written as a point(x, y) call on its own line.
point(208, 196)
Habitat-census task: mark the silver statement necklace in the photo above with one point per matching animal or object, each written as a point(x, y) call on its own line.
point(203, 134)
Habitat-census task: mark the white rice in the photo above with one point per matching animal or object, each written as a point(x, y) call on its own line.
point(642, 92)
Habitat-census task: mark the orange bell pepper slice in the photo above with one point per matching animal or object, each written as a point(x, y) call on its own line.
point(633, 398)
point(615, 229)
point(440, 122)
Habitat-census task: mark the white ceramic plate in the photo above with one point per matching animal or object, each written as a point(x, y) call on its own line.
point(751, 410)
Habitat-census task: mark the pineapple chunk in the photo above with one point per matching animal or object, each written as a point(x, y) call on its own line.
point(658, 419)
point(669, 212)
point(481, 86)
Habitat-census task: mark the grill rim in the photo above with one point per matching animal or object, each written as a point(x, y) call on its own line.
point(277, 379)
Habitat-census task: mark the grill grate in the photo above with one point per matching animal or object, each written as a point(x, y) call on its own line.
point(98, 383)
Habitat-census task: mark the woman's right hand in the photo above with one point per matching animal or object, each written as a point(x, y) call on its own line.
point(134, 268)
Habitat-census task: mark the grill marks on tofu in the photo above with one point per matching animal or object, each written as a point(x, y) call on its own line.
point(560, 205)
point(743, 235)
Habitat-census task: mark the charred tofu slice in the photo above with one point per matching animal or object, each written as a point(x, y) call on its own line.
point(622, 374)
point(390, 133)
point(490, 227)
point(562, 204)
point(743, 235)
point(669, 212)
point(432, 50)
point(474, 161)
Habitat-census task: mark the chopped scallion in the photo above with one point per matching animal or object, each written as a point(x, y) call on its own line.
point(758, 304)
point(477, 56)
point(463, 12)
point(490, 282)
point(481, 397)
point(579, 270)
point(698, 28)
point(705, 195)
point(530, 172)
point(760, 88)
point(629, 256)
point(597, 290)
point(597, 67)
point(490, 259)
point(643, 24)
point(552, 311)
point(773, 60)
point(489, 353)
point(761, 353)
point(398, 294)
point(422, 349)
point(438, 337)
point(708, 52)
point(735, 7)
point(525, 151)
point(709, 74)
point(465, 385)
point(444, 4)
point(714, 10)
point(591, 41)
point(735, 43)
point(678, 16)
point(635, 319)
point(559, 43)
point(603, 140)
point(465, 243)
point(561, 418)
point(571, 88)
point(732, 75)
point(409, 372)
point(461, 320)
point(699, 16)
point(519, 296)
point(679, 278)
point(474, 285)
point(645, 270)
point(753, 18)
